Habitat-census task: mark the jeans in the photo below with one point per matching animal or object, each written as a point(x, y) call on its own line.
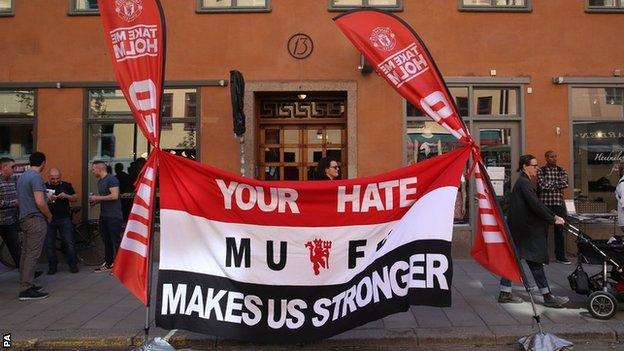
point(559, 234)
point(10, 236)
point(537, 270)
point(64, 227)
point(110, 231)
point(34, 230)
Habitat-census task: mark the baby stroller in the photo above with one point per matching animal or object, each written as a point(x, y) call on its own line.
point(606, 288)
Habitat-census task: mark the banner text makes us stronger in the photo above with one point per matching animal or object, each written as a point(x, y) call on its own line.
point(423, 271)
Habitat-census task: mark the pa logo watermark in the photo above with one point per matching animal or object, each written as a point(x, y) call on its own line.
point(6, 341)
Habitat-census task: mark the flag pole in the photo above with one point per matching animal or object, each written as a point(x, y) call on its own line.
point(146, 327)
point(150, 257)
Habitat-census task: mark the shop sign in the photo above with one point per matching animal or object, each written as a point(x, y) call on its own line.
point(605, 157)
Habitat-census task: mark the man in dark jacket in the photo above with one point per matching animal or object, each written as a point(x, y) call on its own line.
point(528, 222)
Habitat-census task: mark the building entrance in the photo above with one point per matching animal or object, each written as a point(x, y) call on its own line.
point(296, 130)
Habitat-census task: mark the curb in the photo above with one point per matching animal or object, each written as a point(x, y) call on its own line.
point(498, 335)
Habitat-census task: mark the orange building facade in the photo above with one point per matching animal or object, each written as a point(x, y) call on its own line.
point(528, 76)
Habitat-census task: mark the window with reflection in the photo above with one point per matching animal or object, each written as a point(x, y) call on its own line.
point(598, 146)
point(424, 138)
point(597, 103)
point(496, 101)
point(84, 7)
point(427, 139)
point(17, 112)
point(497, 5)
point(605, 5)
point(459, 94)
point(113, 136)
point(352, 4)
point(6, 7)
point(232, 5)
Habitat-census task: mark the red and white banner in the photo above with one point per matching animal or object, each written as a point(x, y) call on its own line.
point(135, 36)
point(295, 261)
point(399, 56)
point(491, 247)
point(132, 260)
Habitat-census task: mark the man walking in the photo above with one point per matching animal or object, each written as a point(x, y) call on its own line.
point(9, 212)
point(551, 180)
point(110, 212)
point(61, 194)
point(34, 217)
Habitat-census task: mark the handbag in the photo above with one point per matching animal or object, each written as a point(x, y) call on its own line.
point(579, 281)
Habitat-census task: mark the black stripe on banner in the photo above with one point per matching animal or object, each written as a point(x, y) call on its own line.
point(275, 313)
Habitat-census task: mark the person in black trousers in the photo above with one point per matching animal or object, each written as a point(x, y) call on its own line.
point(528, 221)
point(551, 180)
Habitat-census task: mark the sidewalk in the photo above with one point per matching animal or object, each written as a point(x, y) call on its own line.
point(94, 309)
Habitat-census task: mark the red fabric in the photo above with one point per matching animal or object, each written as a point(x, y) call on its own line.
point(131, 262)
point(184, 188)
point(492, 248)
point(399, 56)
point(135, 35)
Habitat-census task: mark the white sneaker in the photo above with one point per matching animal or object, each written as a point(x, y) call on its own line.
point(103, 268)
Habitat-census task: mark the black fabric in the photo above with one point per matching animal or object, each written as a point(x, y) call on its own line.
point(560, 211)
point(237, 94)
point(60, 207)
point(528, 221)
point(579, 281)
point(212, 285)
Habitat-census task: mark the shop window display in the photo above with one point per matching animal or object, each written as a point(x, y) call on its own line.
point(428, 139)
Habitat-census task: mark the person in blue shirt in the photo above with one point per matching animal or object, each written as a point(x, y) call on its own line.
point(111, 217)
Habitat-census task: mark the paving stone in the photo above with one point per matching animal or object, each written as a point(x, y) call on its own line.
point(455, 335)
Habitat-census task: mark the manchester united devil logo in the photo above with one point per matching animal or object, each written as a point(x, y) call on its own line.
point(382, 38)
point(128, 10)
point(319, 254)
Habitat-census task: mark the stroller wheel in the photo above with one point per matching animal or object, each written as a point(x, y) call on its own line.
point(602, 305)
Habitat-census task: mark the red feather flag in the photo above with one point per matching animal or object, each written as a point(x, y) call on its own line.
point(399, 56)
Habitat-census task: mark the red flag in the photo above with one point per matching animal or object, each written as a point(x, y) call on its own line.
point(399, 55)
point(401, 58)
point(135, 34)
point(132, 260)
point(491, 247)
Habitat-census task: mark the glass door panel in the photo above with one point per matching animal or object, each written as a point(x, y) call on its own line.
point(500, 149)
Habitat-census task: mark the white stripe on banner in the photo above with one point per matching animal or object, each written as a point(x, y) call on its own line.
point(480, 186)
point(196, 244)
point(133, 245)
point(488, 219)
point(140, 211)
point(483, 203)
point(149, 173)
point(493, 237)
point(144, 192)
point(137, 227)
